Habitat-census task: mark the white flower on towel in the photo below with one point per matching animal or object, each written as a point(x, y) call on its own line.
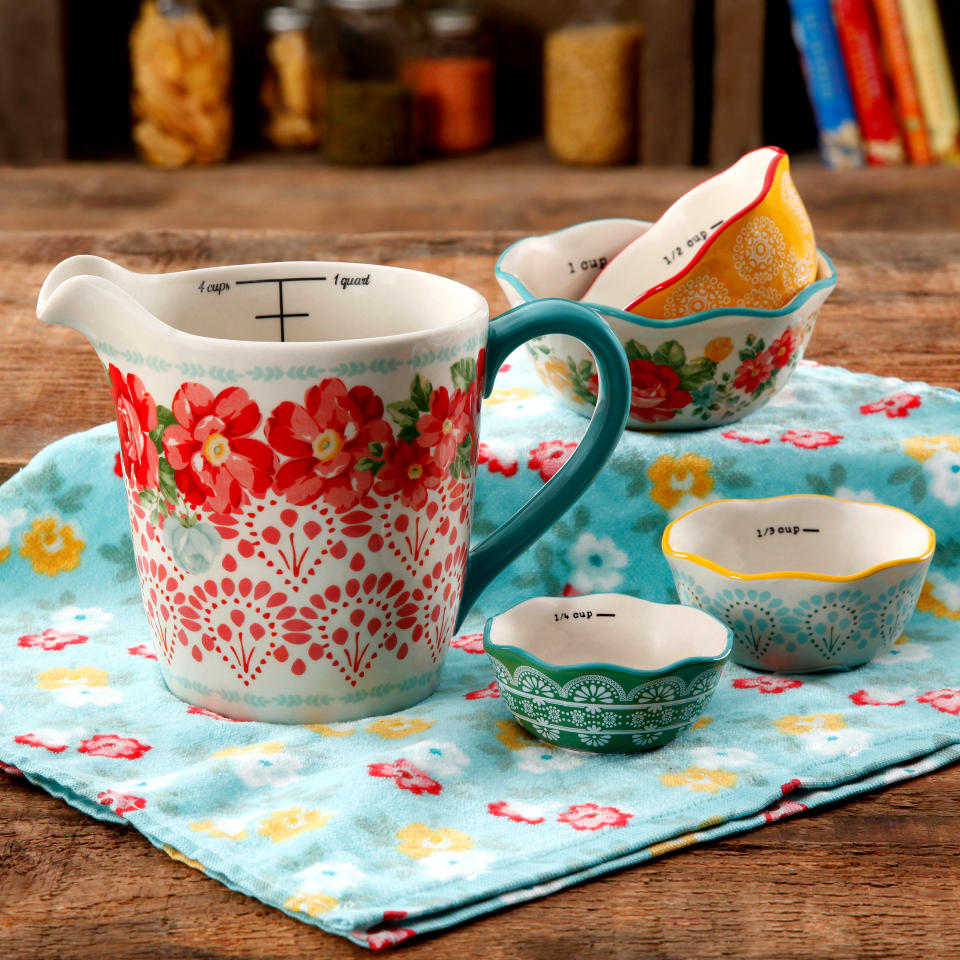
point(596, 562)
point(456, 865)
point(943, 469)
point(84, 620)
point(833, 743)
point(329, 877)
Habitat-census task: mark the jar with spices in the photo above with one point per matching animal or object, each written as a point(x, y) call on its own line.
point(453, 78)
point(181, 71)
point(291, 92)
point(370, 109)
point(591, 85)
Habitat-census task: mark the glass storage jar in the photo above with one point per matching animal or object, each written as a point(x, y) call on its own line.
point(370, 109)
point(453, 78)
point(591, 85)
point(181, 68)
point(291, 93)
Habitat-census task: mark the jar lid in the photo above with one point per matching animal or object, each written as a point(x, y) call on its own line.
point(281, 19)
point(448, 22)
point(363, 4)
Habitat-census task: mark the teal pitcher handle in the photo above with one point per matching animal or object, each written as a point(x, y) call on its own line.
point(507, 332)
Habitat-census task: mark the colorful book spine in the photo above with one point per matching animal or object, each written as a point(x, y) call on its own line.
point(931, 68)
point(868, 83)
point(896, 53)
point(816, 39)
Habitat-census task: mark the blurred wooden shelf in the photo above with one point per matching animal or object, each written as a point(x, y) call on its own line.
point(510, 188)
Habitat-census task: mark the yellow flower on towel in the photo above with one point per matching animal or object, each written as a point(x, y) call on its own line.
point(513, 736)
point(417, 840)
point(509, 395)
point(929, 602)
point(668, 846)
point(923, 448)
point(175, 854)
point(797, 725)
point(700, 779)
point(59, 677)
point(675, 477)
point(312, 904)
point(255, 749)
point(212, 830)
point(51, 548)
point(396, 728)
point(285, 824)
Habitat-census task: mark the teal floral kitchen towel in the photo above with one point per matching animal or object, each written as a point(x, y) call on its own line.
point(385, 828)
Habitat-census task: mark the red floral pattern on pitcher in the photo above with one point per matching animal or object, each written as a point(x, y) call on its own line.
point(136, 417)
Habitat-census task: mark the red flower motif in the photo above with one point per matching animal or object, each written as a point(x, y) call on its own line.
point(121, 802)
point(136, 417)
point(896, 405)
point(490, 692)
point(753, 372)
point(588, 816)
point(946, 700)
point(745, 436)
point(781, 350)
point(469, 643)
point(811, 439)
point(111, 745)
point(503, 809)
point(549, 456)
point(407, 776)
point(204, 712)
point(876, 698)
point(767, 684)
point(790, 786)
point(569, 590)
point(382, 939)
point(325, 438)
point(497, 461)
point(783, 809)
point(443, 428)
point(51, 639)
point(118, 465)
point(475, 390)
point(10, 770)
point(142, 650)
point(411, 471)
point(655, 391)
point(32, 740)
point(215, 462)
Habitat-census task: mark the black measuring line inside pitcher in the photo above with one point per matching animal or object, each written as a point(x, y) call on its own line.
point(282, 315)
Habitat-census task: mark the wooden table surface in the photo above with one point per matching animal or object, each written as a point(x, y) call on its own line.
point(874, 877)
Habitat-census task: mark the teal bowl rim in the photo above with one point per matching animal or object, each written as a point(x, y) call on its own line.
point(490, 646)
point(823, 283)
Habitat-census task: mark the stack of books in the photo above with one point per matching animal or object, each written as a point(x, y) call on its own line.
point(880, 82)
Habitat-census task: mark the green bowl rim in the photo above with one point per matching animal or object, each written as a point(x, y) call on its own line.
point(490, 646)
point(823, 283)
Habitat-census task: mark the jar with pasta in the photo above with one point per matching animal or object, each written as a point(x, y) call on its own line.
point(291, 93)
point(591, 85)
point(370, 108)
point(181, 68)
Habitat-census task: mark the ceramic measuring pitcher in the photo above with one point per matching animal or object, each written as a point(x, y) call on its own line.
point(299, 442)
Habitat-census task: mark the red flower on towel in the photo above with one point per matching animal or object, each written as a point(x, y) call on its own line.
point(589, 816)
point(767, 684)
point(497, 460)
point(946, 700)
point(407, 776)
point(548, 457)
point(32, 740)
point(468, 643)
point(136, 417)
point(51, 639)
point(811, 439)
point(112, 745)
point(325, 438)
point(121, 802)
point(895, 405)
point(783, 809)
point(215, 461)
point(518, 815)
point(491, 691)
